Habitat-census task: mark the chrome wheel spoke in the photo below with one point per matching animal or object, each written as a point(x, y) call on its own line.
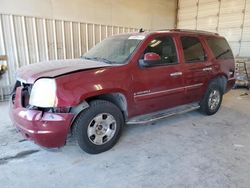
point(109, 133)
point(110, 120)
point(98, 119)
point(98, 139)
point(91, 131)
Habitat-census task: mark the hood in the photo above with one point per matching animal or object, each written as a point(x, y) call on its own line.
point(30, 73)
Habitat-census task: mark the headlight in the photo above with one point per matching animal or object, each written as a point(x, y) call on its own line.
point(43, 93)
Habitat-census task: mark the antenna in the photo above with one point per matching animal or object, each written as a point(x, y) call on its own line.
point(141, 30)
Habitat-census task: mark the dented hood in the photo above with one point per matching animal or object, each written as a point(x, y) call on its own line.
point(30, 73)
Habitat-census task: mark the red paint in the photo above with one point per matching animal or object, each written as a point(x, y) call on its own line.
point(152, 57)
point(29, 74)
point(129, 79)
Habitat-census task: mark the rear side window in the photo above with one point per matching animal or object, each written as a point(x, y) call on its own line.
point(220, 48)
point(193, 50)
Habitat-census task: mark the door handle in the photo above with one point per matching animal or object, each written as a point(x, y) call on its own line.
point(176, 74)
point(207, 69)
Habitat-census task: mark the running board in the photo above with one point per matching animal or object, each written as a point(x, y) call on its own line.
point(148, 118)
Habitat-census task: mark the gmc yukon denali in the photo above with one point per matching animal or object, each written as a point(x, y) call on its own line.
point(132, 78)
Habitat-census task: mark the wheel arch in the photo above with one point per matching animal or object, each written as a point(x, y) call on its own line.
point(117, 98)
point(221, 80)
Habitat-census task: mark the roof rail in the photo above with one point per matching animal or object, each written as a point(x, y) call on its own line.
point(196, 31)
point(190, 30)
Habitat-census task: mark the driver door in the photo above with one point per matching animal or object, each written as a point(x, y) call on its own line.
point(161, 86)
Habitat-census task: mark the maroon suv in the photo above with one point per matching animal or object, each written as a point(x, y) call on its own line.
point(130, 78)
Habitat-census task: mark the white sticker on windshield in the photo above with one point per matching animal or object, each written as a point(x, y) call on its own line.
point(137, 37)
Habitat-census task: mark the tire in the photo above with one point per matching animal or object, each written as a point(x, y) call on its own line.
point(98, 128)
point(212, 99)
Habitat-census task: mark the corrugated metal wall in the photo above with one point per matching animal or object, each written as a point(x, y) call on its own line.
point(230, 18)
point(26, 40)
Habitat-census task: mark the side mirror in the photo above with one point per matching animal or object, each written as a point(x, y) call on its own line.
point(150, 60)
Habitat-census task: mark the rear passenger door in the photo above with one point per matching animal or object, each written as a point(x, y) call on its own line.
point(196, 67)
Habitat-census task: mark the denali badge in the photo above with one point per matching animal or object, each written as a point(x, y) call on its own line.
point(141, 92)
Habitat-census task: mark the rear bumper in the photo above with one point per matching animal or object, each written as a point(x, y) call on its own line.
point(44, 128)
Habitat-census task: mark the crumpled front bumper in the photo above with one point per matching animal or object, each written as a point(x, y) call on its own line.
point(44, 128)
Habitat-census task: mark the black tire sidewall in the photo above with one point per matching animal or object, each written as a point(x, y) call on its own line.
point(86, 116)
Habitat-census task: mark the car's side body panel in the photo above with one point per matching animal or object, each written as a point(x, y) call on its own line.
point(145, 89)
point(74, 88)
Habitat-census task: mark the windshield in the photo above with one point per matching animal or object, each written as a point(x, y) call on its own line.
point(114, 50)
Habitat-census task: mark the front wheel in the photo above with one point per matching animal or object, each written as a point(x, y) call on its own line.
point(98, 127)
point(211, 102)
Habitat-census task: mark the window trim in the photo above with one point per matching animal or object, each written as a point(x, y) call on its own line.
point(175, 47)
point(203, 48)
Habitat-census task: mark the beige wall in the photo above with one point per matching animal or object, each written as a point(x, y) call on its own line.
point(230, 18)
point(149, 14)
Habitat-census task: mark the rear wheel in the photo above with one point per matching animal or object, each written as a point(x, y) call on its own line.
point(211, 102)
point(99, 127)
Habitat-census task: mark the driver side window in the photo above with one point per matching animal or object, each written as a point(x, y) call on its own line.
point(165, 48)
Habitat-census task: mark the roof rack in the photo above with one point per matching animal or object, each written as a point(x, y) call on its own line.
point(191, 30)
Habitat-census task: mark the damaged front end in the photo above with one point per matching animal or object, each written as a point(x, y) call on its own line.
point(46, 126)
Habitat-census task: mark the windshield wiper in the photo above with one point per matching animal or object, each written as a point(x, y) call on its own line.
point(84, 57)
point(102, 59)
point(98, 59)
